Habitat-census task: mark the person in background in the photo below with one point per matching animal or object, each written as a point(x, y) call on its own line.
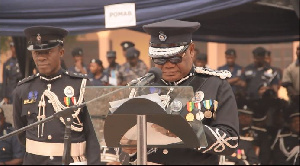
point(286, 148)
point(268, 60)
point(125, 45)
point(258, 73)
point(132, 69)
point(245, 154)
point(113, 67)
point(200, 60)
point(235, 69)
point(98, 77)
point(79, 66)
point(11, 75)
point(290, 79)
point(11, 151)
point(248, 128)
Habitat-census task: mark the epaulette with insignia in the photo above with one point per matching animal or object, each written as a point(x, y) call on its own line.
point(28, 79)
point(79, 75)
point(223, 74)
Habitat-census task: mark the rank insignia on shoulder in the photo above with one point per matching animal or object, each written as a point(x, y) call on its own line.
point(32, 97)
point(223, 74)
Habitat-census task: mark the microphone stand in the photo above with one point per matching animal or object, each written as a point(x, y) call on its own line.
point(67, 115)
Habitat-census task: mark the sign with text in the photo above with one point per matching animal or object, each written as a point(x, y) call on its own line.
point(120, 15)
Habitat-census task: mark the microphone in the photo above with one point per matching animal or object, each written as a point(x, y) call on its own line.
point(153, 75)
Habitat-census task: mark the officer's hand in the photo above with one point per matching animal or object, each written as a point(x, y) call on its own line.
point(163, 130)
point(126, 141)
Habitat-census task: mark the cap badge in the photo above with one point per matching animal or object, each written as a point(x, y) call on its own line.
point(126, 45)
point(39, 38)
point(162, 36)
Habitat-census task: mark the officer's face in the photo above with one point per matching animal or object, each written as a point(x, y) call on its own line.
point(245, 119)
point(132, 61)
point(48, 61)
point(173, 72)
point(200, 63)
point(294, 124)
point(259, 61)
point(95, 68)
point(111, 60)
point(268, 59)
point(78, 58)
point(13, 51)
point(230, 60)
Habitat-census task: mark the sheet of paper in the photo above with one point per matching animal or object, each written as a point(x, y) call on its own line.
point(153, 137)
point(152, 97)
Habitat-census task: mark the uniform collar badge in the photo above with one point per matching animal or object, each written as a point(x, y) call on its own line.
point(162, 36)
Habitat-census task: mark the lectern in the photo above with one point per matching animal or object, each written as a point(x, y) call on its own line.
point(132, 112)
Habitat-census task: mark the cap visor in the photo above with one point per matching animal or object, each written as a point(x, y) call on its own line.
point(155, 52)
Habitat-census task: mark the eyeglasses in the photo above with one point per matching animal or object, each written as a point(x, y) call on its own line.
point(174, 60)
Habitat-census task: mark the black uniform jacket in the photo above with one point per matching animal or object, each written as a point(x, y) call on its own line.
point(26, 99)
point(221, 132)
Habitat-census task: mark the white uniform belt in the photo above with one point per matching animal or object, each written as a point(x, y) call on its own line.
point(54, 149)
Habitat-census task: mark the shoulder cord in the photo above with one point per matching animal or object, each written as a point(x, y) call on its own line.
point(59, 107)
point(221, 142)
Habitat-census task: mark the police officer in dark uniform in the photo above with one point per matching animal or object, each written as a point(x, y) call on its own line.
point(133, 68)
point(47, 92)
point(11, 151)
point(98, 77)
point(11, 75)
point(172, 50)
point(200, 60)
point(261, 139)
point(259, 73)
point(244, 155)
point(235, 69)
point(113, 67)
point(286, 148)
point(125, 45)
point(79, 66)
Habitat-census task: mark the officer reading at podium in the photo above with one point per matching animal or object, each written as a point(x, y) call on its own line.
point(172, 50)
point(47, 92)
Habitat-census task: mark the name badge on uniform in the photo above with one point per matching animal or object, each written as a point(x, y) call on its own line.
point(32, 97)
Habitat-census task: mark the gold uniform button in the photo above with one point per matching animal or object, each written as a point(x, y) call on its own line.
point(28, 112)
point(49, 137)
point(3, 149)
